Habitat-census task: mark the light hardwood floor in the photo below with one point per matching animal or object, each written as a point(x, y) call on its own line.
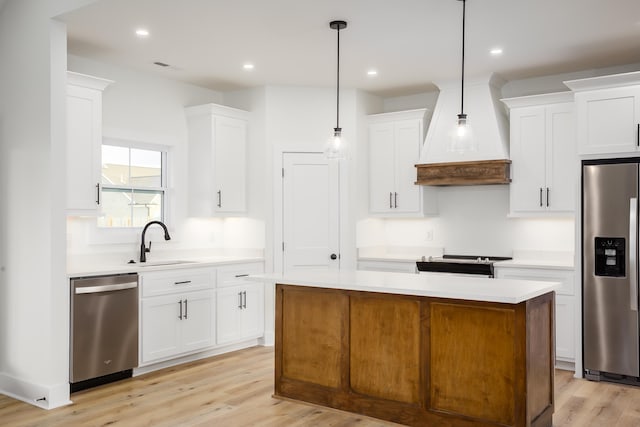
point(235, 390)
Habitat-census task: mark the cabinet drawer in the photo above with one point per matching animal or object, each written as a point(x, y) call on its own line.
point(173, 281)
point(231, 275)
point(565, 277)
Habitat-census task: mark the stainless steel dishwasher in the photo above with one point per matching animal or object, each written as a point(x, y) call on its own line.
point(104, 329)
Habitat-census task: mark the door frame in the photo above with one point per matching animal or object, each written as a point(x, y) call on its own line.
point(278, 208)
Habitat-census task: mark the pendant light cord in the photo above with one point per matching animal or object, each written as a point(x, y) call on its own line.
point(464, 3)
point(338, 85)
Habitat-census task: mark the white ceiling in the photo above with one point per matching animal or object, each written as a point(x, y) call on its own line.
point(411, 43)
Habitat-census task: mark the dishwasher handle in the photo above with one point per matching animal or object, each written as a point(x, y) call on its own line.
point(105, 288)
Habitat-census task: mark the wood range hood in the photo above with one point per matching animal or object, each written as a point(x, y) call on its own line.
point(475, 172)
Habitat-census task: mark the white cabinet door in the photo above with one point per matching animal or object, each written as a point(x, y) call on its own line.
point(561, 159)
point(218, 137)
point(197, 320)
point(228, 307)
point(230, 164)
point(543, 154)
point(84, 139)
point(240, 313)
point(406, 154)
point(160, 327)
point(252, 313)
point(609, 120)
point(528, 187)
point(381, 168)
point(565, 336)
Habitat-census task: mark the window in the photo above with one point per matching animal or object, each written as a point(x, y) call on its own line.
point(133, 189)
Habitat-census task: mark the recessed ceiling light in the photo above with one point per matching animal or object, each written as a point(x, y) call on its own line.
point(141, 32)
point(248, 66)
point(496, 51)
point(372, 73)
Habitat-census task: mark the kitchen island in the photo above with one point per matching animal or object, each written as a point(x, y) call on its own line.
point(417, 350)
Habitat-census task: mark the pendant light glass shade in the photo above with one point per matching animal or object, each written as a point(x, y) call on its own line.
point(336, 147)
point(462, 138)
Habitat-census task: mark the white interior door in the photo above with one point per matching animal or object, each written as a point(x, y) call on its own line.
point(311, 212)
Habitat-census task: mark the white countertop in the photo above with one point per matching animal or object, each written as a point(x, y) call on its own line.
point(99, 268)
point(465, 288)
point(536, 263)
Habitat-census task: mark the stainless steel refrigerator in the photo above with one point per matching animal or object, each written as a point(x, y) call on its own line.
point(610, 269)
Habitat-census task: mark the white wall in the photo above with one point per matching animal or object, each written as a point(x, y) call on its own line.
point(33, 286)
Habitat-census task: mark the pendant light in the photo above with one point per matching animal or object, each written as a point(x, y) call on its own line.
point(462, 139)
point(335, 148)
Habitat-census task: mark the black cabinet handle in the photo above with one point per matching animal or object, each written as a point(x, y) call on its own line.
point(540, 196)
point(98, 194)
point(395, 200)
point(242, 275)
point(547, 196)
point(638, 135)
point(184, 282)
point(180, 316)
point(244, 304)
point(219, 198)
point(240, 297)
point(333, 256)
point(390, 200)
point(186, 309)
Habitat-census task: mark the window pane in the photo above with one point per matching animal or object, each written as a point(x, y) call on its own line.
point(116, 208)
point(146, 168)
point(115, 165)
point(147, 206)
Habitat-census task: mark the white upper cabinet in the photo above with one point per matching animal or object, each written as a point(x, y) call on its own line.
point(395, 141)
point(84, 139)
point(217, 160)
point(608, 113)
point(543, 154)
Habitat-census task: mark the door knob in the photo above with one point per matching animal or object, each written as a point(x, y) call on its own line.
point(334, 256)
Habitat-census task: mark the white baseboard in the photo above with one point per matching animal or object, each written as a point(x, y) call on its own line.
point(196, 356)
point(269, 339)
point(45, 397)
point(565, 365)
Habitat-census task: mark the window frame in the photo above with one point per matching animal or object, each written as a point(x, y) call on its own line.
point(165, 151)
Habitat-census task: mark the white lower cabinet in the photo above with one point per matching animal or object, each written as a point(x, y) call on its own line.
point(176, 324)
point(565, 306)
point(239, 304)
point(240, 313)
point(176, 313)
point(182, 312)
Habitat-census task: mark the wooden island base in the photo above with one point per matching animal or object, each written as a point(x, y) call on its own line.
point(416, 360)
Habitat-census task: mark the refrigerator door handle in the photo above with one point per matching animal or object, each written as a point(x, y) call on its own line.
point(633, 253)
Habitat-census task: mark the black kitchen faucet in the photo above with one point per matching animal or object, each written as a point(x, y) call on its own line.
point(143, 247)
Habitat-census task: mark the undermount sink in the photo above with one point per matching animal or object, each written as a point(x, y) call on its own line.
point(167, 262)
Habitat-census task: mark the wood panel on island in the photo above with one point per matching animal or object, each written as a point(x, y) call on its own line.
point(416, 360)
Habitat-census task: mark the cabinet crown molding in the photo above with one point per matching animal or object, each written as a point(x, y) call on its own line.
point(541, 99)
point(218, 110)
point(604, 82)
point(85, 80)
